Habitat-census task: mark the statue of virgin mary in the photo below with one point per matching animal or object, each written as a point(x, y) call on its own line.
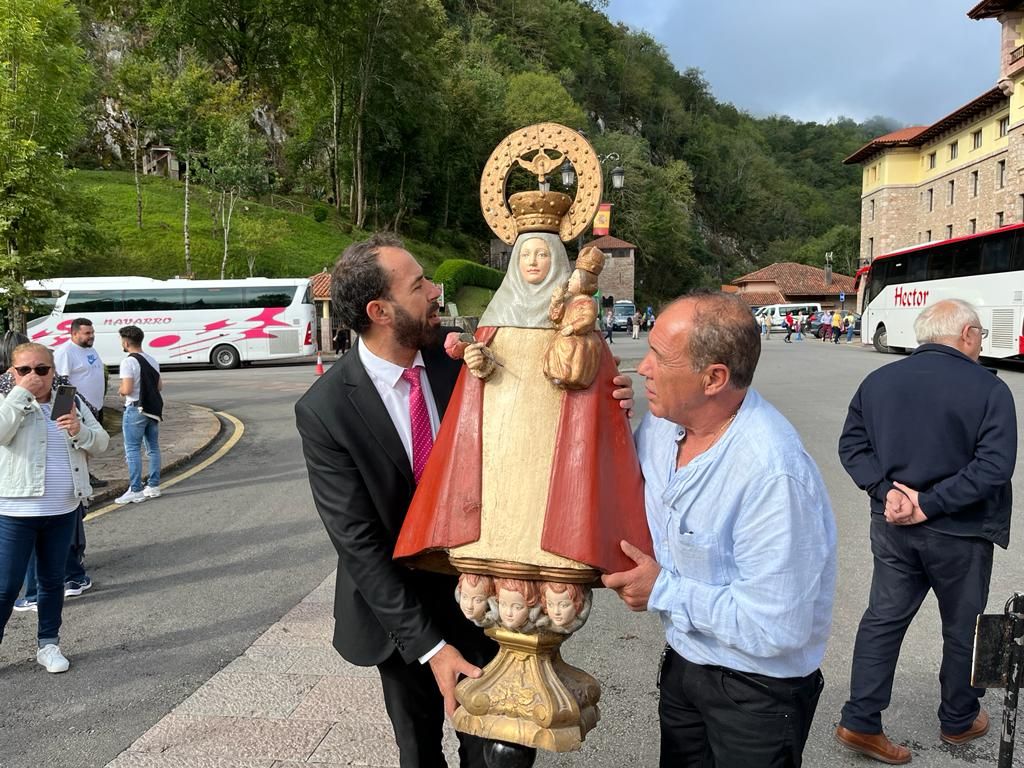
point(527, 480)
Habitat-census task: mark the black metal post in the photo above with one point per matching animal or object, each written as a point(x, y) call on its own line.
point(1015, 668)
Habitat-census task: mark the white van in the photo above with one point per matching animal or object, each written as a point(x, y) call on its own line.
point(777, 312)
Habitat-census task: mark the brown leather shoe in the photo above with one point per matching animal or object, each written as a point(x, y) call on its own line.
point(875, 745)
point(978, 728)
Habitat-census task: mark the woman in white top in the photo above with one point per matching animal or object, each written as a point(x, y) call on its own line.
point(44, 480)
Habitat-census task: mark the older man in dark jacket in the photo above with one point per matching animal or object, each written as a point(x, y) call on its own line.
point(933, 441)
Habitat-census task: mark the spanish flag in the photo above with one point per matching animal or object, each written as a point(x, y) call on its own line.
point(603, 219)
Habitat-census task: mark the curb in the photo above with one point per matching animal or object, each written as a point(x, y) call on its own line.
point(115, 489)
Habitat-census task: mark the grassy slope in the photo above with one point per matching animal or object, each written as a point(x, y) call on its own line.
point(285, 244)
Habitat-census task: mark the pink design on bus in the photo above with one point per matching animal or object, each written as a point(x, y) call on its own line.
point(268, 318)
point(164, 341)
point(216, 326)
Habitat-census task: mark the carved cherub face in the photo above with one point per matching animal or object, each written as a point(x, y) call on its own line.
point(534, 260)
point(512, 608)
point(473, 594)
point(561, 608)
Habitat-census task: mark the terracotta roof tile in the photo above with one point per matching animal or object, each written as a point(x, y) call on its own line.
point(761, 298)
point(607, 242)
point(321, 286)
point(793, 280)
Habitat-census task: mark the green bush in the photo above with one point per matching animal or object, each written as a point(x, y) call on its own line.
point(455, 273)
point(320, 214)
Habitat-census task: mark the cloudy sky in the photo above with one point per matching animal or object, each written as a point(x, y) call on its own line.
point(818, 59)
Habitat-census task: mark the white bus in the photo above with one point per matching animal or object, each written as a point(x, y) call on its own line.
point(220, 322)
point(986, 269)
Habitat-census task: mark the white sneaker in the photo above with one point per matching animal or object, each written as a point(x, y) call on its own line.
point(51, 658)
point(151, 491)
point(131, 497)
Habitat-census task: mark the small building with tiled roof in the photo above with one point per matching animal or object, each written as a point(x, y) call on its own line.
point(960, 175)
point(321, 285)
point(790, 283)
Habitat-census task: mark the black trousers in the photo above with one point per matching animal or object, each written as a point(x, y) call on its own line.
point(910, 560)
point(416, 707)
point(714, 717)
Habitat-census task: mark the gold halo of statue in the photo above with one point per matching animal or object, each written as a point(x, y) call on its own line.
point(533, 479)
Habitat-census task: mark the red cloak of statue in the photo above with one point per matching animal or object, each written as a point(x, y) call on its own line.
point(595, 492)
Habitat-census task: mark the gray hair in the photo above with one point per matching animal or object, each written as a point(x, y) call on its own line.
point(944, 320)
point(724, 332)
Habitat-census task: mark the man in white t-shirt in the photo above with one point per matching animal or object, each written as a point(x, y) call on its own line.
point(82, 365)
point(143, 410)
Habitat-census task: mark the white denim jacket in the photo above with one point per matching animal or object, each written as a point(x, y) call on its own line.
point(23, 446)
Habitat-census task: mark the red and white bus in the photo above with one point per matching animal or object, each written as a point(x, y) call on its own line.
point(220, 322)
point(986, 269)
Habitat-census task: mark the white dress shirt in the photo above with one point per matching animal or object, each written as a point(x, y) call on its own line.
point(394, 391)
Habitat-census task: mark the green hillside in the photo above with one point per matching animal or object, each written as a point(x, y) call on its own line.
point(283, 244)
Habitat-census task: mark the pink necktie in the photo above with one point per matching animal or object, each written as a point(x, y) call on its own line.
point(422, 433)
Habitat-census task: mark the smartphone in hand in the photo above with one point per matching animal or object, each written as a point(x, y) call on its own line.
point(63, 401)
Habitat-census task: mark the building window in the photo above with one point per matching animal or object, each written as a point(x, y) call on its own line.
point(927, 235)
point(949, 231)
point(1001, 174)
point(931, 160)
point(871, 247)
point(1022, 207)
point(974, 183)
point(954, 149)
point(976, 139)
point(929, 197)
point(1004, 126)
point(999, 218)
point(951, 196)
point(972, 226)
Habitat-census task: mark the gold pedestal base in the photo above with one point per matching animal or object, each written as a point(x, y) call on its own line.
point(528, 695)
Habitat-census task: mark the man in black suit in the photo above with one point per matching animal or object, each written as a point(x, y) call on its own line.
point(357, 438)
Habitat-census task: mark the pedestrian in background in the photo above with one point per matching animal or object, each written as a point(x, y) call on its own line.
point(932, 439)
point(826, 325)
point(789, 328)
point(609, 326)
point(837, 326)
point(747, 615)
point(637, 319)
point(143, 412)
point(849, 322)
point(801, 321)
point(39, 511)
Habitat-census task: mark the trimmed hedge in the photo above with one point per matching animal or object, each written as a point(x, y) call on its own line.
point(455, 273)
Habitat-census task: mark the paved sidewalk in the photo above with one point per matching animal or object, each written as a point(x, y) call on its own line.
point(185, 431)
point(289, 700)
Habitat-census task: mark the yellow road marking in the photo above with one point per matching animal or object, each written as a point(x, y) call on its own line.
point(220, 453)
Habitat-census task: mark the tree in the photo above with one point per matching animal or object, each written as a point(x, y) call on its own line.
point(235, 165)
point(43, 75)
point(181, 99)
point(534, 98)
point(135, 80)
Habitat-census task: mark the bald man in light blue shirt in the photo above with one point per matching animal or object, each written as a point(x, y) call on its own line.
point(745, 546)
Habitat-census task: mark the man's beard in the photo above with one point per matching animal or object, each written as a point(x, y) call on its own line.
point(85, 343)
point(415, 334)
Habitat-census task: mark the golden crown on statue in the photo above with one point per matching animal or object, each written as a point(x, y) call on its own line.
point(591, 260)
point(539, 211)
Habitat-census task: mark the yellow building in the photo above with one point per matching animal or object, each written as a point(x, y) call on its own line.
point(960, 175)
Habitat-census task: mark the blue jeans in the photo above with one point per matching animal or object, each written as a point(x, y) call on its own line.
point(74, 570)
point(138, 428)
point(49, 537)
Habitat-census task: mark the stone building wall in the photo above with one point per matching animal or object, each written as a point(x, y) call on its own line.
point(617, 277)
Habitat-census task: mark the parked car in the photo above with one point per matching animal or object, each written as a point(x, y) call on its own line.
point(815, 325)
point(622, 315)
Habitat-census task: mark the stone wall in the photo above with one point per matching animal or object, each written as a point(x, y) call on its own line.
point(618, 276)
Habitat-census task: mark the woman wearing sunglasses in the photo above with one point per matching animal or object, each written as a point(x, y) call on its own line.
point(43, 481)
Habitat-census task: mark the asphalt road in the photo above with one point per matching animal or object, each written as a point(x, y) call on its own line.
point(186, 582)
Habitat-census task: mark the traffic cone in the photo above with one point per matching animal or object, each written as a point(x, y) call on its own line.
point(319, 365)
